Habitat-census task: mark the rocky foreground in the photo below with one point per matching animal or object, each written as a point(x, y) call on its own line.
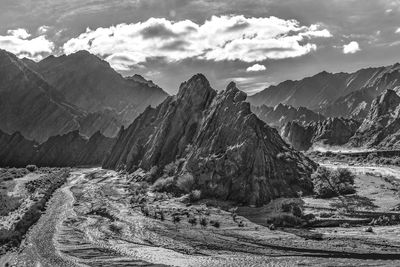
point(214, 138)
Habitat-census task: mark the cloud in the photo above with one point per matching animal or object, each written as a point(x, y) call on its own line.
point(19, 43)
point(43, 29)
point(351, 48)
point(256, 67)
point(398, 30)
point(220, 38)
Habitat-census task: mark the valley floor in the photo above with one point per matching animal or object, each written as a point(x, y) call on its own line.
point(91, 221)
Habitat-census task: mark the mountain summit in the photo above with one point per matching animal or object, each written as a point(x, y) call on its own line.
point(230, 153)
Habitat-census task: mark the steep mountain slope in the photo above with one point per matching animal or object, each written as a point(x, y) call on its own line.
point(30, 105)
point(331, 132)
point(70, 149)
point(320, 91)
point(229, 151)
point(91, 84)
point(281, 114)
point(382, 121)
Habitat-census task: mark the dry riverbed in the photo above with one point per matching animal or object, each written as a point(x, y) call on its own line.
point(93, 221)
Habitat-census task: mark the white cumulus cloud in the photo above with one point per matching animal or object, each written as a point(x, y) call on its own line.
point(398, 30)
point(219, 38)
point(351, 48)
point(256, 67)
point(20, 43)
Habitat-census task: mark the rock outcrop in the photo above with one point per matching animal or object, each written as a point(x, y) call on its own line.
point(90, 83)
point(70, 150)
point(382, 123)
point(320, 92)
point(330, 132)
point(231, 154)
point(281, 114)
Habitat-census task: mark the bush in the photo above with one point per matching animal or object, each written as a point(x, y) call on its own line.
point(185, 182)
point(328, 183)
point(31, 168)
point(216, 224)
point(164, 184)
point(203, 222)
point(195, 195)
point(284, 220)
point(192, 221)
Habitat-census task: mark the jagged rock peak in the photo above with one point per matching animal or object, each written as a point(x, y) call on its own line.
point(196, 84)
point(230, 153)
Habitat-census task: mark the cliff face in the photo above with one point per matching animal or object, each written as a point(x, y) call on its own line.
point(332, 132)
point(382, 123)
point(229, 151)
point(321, 91)
point(59, 151)
point(281, 114)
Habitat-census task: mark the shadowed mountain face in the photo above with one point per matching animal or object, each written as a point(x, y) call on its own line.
point(281, 114)
point(229, 151)
point(70, 149)
point(380, 127)
point(334, 94)
point(30, 105)
point(329, 132)
point(91, 84)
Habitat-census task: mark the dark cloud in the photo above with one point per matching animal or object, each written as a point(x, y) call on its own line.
point(157, 31)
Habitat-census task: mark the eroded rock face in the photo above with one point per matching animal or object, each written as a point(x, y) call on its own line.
point(331, 132)
point(231, 153)
point(281, 114)
point(382, 123)
point(70, 150)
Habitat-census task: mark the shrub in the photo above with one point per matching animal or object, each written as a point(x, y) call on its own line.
point(216, 224)
point(164, 184)
point(185, 182)
point(192, 221)
point(203, 222)
point(176, 218)
point(284, 219)
point(328, 183)
point(31, 168)
point(195, 195)
point(293, 208)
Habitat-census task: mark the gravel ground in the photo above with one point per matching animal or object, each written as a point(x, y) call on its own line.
point(71, 234)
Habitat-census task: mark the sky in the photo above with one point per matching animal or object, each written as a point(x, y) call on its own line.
point(255, 43)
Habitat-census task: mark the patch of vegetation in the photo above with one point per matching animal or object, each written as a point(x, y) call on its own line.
point(31, 168)
point(8, 174)
point(330, 183)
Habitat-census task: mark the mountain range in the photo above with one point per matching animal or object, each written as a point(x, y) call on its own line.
point(333, 94)
point(61, 94)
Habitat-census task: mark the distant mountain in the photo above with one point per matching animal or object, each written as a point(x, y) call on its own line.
point(70, 149)
point(214, 138)
point(382, 125)
point(281, 114)
point(29, 105)
point(36, 109)
point(329, 132)
point(91, 84)
point(322, 91)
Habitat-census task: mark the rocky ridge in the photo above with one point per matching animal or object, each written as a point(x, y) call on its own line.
point(329, 132)
point(281, 114)
point(231, 154)
point(71, 149)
